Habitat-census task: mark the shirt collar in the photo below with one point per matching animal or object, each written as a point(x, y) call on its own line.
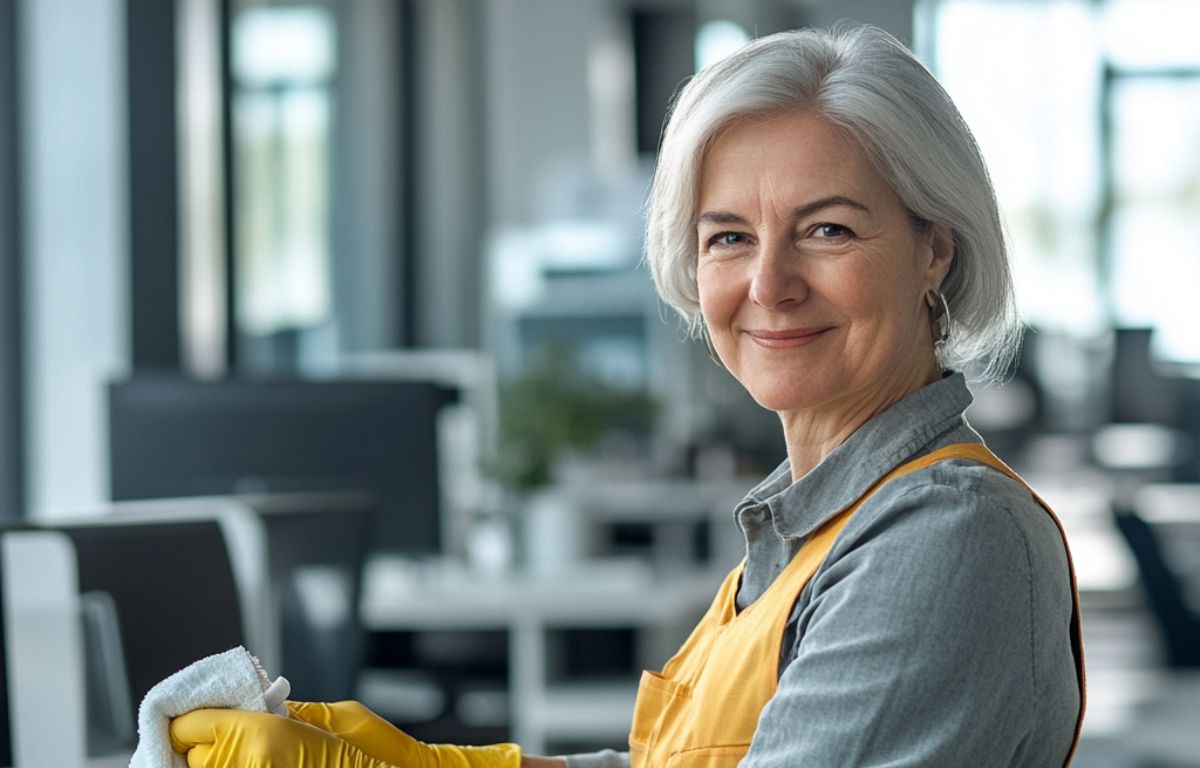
point(873, 450)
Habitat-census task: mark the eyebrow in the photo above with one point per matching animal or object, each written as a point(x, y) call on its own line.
point(799, 212)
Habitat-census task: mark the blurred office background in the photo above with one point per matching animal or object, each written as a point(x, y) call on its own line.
point(329, 315)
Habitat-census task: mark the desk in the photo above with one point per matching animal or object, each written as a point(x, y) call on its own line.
point(401, 596)
point(1143, 717)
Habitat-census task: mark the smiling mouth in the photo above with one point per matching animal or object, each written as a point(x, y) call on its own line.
point(787, 339)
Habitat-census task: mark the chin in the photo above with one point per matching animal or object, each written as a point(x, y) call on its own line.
point(794, 394)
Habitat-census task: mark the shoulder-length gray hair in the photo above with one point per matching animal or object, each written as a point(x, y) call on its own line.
point(865, 81)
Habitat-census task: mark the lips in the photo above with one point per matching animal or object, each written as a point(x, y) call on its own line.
point(787, 338)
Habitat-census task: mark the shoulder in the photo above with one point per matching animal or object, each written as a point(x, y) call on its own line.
point(963, 503)
point(948, 541)
point(944, 603)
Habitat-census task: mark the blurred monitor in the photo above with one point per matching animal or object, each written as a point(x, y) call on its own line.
point(1139, 391)
point(172, 436)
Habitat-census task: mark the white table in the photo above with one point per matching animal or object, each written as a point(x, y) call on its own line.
point(401, 596)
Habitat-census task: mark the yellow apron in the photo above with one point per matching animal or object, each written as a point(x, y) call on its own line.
point(702, 710)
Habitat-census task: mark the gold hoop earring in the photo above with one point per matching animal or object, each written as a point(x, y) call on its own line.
point(942, 318)
point(708, 345)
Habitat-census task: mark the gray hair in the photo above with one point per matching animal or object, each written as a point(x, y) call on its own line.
point(865, 81)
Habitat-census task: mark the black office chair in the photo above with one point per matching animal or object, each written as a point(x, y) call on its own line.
point(1178, 624)
point(173, 590)
point(316, 547)
point(139, 599)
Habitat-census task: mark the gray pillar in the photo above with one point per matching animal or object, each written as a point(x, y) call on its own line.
point(153, 185)
point(371, 217)
point(448, 196)
point(12, 481)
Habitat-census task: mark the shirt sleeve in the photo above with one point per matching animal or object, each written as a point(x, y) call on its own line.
point(915, 645)
point(604, 759)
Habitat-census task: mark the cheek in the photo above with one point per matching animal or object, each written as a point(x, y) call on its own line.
point(718, 294)
point(878, 301)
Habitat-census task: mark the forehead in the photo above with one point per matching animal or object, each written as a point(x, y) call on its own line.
point(794, 154)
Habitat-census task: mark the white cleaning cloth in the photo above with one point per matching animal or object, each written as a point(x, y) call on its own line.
point(233, 679)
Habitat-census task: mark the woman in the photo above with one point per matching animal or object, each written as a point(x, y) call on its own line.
point(822, 216)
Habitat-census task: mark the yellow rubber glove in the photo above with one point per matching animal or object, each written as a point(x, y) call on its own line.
point(358, 726)
point(232, 738)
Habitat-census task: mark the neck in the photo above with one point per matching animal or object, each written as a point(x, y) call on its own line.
point(813, 433)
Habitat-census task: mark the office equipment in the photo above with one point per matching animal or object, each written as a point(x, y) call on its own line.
point(466, 427)
point(171, 436)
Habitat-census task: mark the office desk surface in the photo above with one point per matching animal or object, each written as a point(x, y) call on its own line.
point(401, 595)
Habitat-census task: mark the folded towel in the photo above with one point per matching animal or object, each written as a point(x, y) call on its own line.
point(233, 679)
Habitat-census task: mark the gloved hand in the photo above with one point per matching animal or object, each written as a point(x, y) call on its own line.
point(233, 738)
point(377, 738)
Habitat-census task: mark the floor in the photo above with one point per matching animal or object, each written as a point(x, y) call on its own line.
point(1140, 715)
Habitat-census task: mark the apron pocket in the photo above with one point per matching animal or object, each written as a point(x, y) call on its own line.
point(656, 697)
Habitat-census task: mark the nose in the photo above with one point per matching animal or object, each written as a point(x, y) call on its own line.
point(776, 280)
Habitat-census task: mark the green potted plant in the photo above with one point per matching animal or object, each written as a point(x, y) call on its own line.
point(554, 410)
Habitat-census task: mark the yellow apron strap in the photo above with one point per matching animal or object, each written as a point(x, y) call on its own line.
point(821, 540)
point(979, 453)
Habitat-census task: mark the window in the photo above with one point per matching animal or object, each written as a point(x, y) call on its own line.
point(1088, 114)
point(283, 66)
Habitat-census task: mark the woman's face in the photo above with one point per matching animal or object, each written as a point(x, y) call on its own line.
point(812, 275)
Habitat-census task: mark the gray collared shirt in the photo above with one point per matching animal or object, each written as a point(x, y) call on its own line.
point(936, 632)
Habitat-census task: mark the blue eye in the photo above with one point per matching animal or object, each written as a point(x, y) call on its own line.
point(831, 231)
point(726, 239)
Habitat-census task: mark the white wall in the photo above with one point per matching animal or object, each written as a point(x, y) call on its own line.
point(73, 87)
point(537, 96)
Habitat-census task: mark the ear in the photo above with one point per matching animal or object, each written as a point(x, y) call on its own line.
point(940, 245)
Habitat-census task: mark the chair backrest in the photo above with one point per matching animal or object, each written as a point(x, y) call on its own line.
point(173, 587)
point(310, 563)
point(317, 544)
point(1162, 530)
point(153, 592)
point(246, 548)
